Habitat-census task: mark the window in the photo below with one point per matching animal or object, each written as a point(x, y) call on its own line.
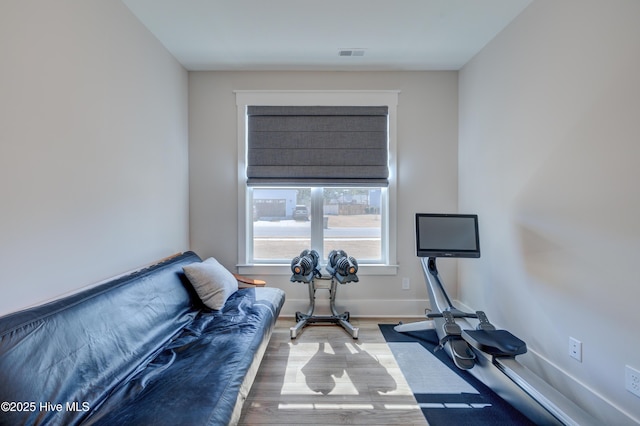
point(329, 187)
point(350, 219)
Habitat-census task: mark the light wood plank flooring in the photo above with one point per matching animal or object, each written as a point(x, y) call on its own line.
point(325, 377)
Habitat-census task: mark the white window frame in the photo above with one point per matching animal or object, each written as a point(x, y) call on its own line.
point(244, 98)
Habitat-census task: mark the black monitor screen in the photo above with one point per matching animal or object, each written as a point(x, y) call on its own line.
point(447, 235)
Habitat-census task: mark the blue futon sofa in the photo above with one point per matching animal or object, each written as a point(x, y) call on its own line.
point(138, 350)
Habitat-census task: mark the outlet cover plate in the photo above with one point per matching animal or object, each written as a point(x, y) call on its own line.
point(632, 380)
point(575, 349)
point(406, 283)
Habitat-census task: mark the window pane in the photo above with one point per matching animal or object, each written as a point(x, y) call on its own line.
point(281, 225)
point(353, 222)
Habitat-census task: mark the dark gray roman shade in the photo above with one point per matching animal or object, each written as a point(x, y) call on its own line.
point(317, 145)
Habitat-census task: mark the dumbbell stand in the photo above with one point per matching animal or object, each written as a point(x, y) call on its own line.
point(335, 317)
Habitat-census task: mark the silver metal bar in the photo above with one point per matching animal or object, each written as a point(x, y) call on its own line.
point(557, 404)
point(335, 317)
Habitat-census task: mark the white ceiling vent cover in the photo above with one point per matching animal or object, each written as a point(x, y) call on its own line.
point(351, 52)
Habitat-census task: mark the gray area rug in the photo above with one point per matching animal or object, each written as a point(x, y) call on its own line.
point(446, 394)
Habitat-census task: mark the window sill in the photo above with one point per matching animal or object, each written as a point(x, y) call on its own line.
point(280, 269)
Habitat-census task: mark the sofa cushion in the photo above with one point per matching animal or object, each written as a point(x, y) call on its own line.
point(212, 281)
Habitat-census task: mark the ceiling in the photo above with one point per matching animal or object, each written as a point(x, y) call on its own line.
point(381, 35)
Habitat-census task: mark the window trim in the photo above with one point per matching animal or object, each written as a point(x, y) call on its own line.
point(244, 98)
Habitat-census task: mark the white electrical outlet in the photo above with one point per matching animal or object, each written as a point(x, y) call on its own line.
point(575, 349)
point(632, 380)
point(406, 283)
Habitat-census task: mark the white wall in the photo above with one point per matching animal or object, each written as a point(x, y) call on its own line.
point(93, 147)
point(549, 153)
point(427, 172)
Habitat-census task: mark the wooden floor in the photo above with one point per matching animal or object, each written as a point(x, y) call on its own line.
point(325, 377)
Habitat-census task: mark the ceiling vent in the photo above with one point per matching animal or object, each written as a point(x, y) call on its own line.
point(351, 52)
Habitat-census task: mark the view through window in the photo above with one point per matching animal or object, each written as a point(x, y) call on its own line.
point(284, 223)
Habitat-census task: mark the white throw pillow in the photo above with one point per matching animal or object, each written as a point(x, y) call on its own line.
point(212, 281)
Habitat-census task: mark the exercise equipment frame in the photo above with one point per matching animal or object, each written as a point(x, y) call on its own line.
point(512, 381)
point(304, 319)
